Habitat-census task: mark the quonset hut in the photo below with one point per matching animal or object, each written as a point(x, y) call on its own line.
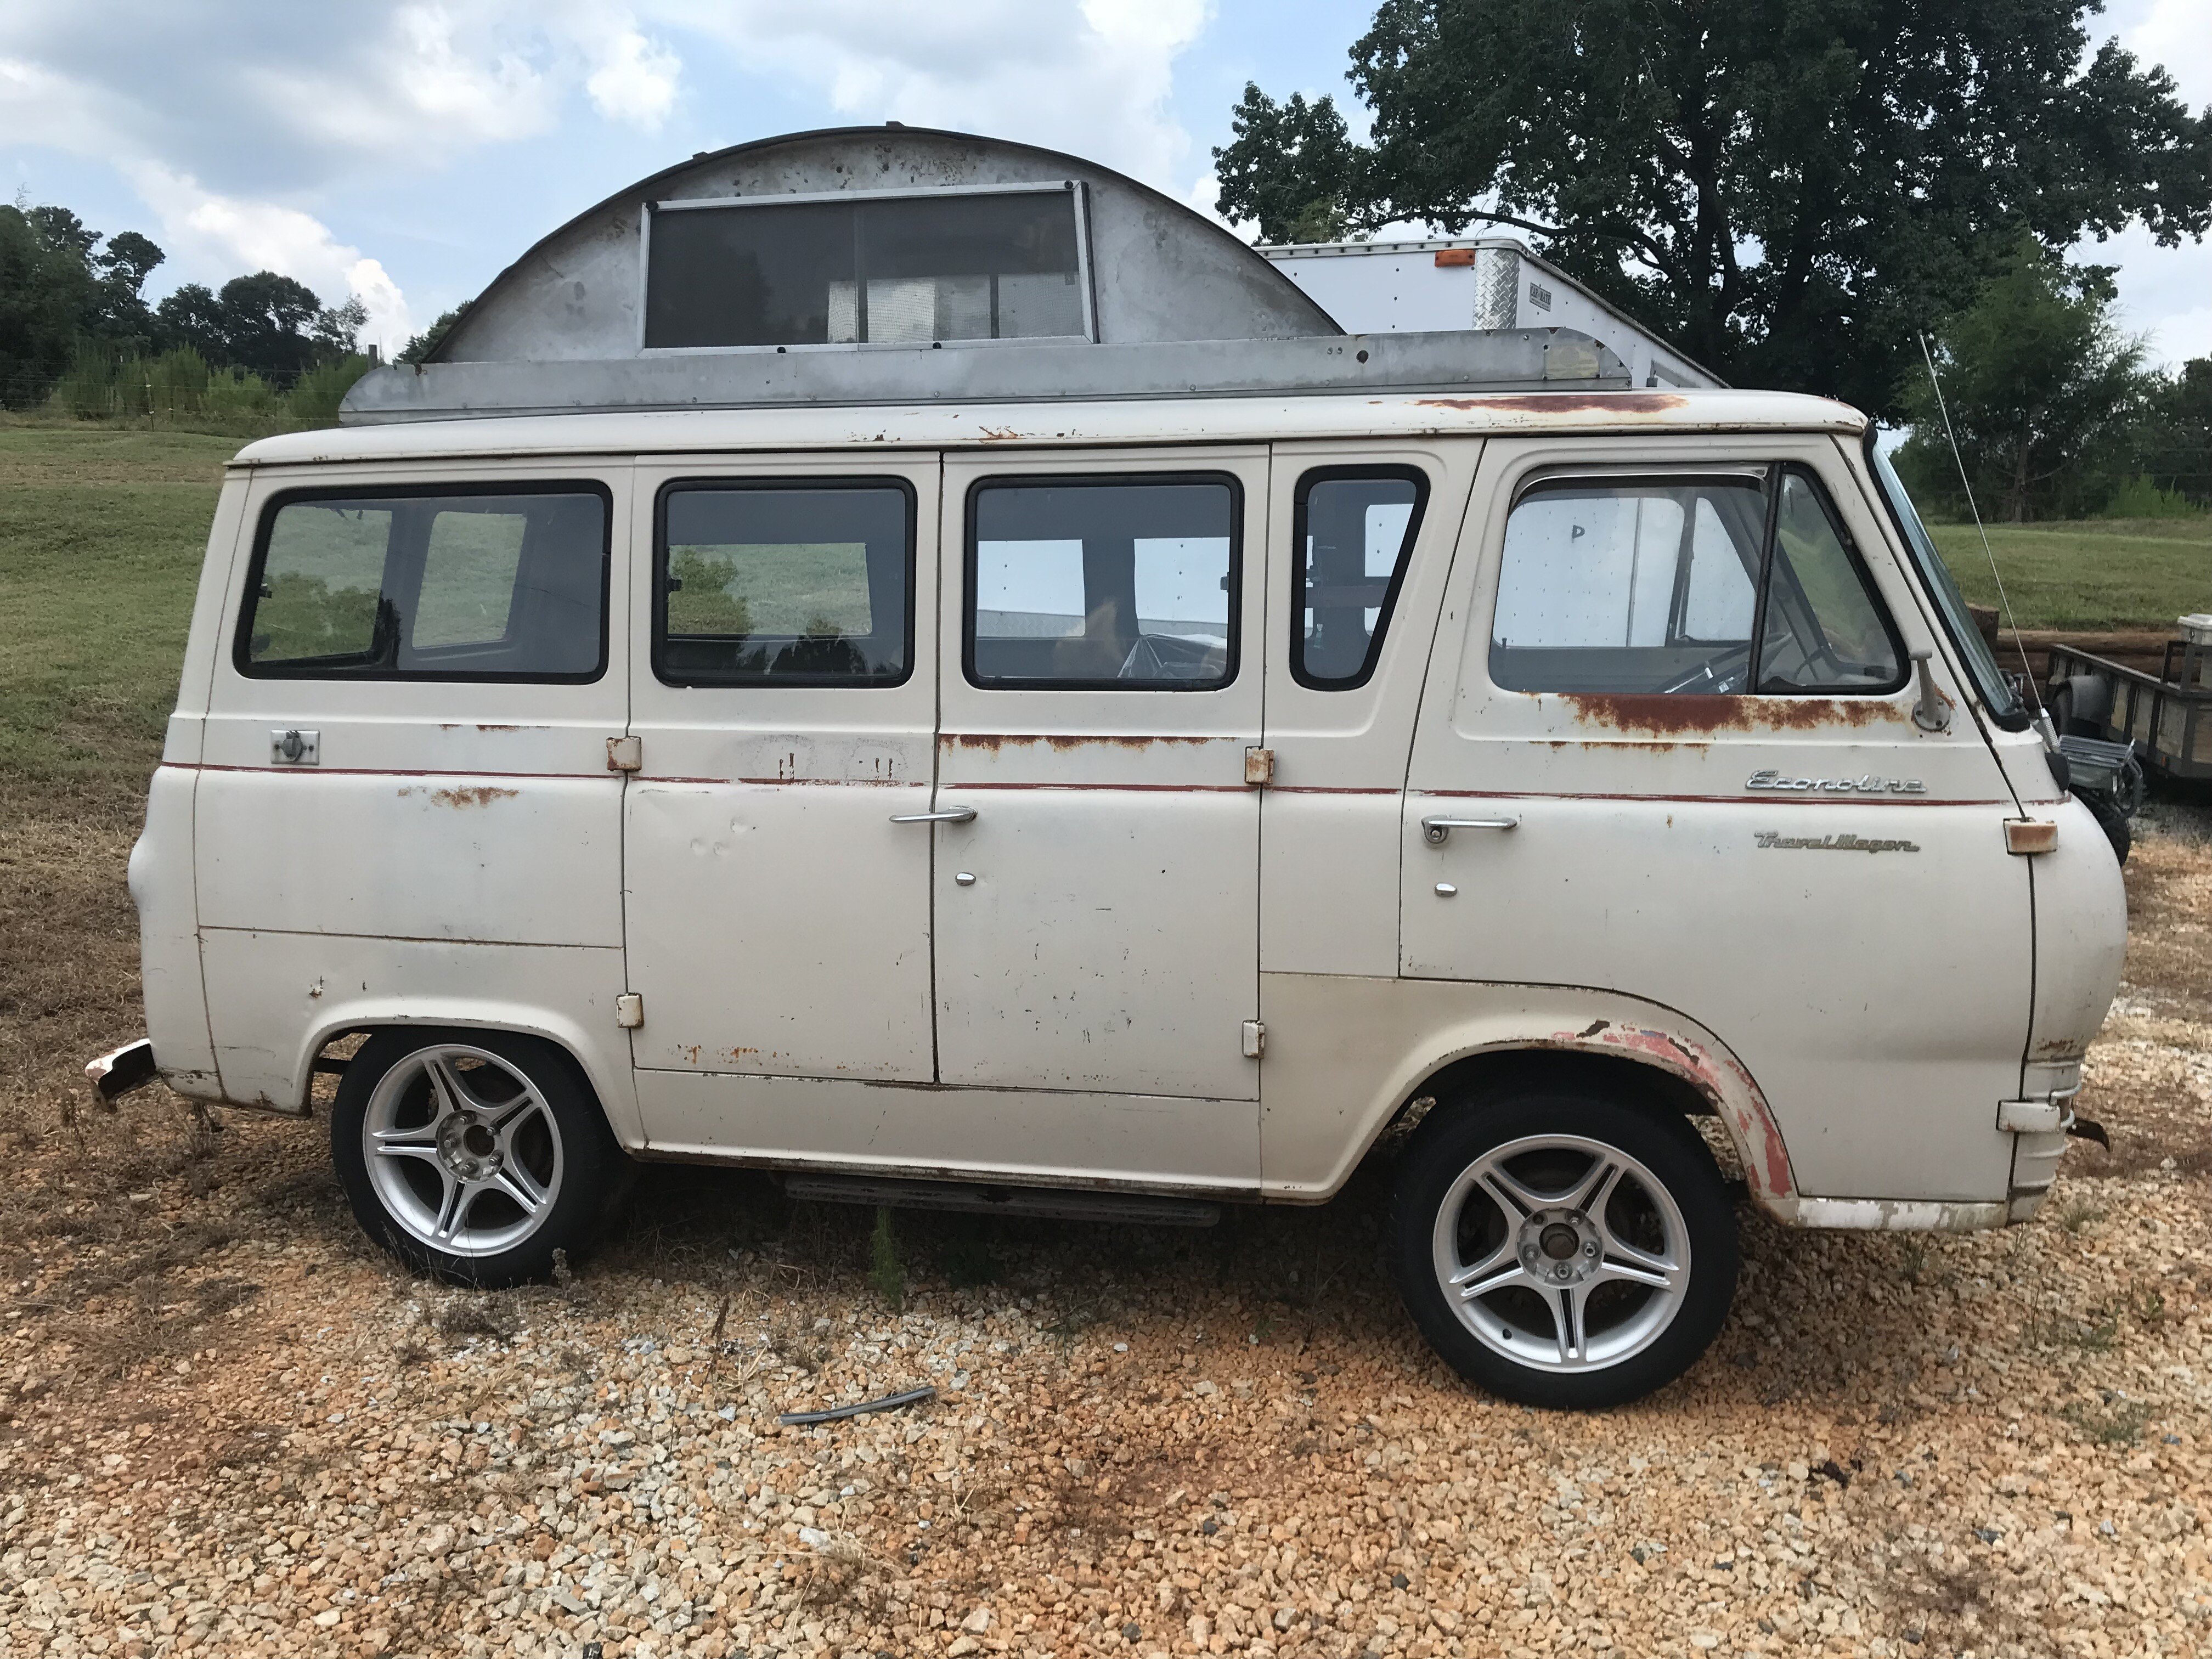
point(903, 266)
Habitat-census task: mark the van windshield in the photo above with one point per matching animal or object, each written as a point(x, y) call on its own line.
point(1997, 695)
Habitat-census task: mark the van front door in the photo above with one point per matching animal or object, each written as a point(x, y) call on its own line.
point(1098, 900)
point(783, 701)
point(1673, 752)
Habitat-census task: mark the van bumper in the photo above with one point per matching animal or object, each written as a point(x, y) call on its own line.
point(117, 1073)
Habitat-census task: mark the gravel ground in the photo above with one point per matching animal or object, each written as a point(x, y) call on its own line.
point(227, 1427)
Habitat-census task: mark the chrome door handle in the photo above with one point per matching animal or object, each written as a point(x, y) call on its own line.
point(950, 814)
point(1437, 831)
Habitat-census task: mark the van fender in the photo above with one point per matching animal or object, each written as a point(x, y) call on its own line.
point(602, 1055)
point(1395, 1039)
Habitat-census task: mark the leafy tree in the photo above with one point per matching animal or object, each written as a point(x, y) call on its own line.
point(45, 292)
point(120, 311)
point(2045, 395)
point(267, 322)
point(420, 346)
point(2177, 447)
point(192, 317)
point(1785, 186)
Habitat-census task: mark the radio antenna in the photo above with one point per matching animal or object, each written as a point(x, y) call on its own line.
point(2004, 603)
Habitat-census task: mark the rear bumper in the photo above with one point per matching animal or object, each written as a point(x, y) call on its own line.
point(117, 1073)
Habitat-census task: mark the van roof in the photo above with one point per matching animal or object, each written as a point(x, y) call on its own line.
point(1061, 425)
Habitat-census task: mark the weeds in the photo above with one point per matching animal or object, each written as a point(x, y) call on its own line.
point(2079, 1213)
point(886, 1264)
point(2118, 1422)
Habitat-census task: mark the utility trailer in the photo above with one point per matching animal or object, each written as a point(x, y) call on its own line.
point(2165, 717)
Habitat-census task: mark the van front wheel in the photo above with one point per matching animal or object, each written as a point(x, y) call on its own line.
point(1560, 1248)
point(471, 1155)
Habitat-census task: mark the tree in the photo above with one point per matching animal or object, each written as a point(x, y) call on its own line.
point(121, 312)
point(45, 292)
point(2044, 394)
point(192, 317)
point(1786, 187)
point(2176, 451)
point(420, 346)
point(266, 321)
point(337, 328)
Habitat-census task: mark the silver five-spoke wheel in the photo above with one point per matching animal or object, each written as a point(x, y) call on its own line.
point(463, 1149)
point(1561, 1252)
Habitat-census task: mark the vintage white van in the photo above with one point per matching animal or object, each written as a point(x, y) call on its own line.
point(1120, 806)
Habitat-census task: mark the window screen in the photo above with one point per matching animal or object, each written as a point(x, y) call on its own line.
point(1351, 535)
point(1108, 582)
point(430, 586)
point(796, 584)
point(902, 270)
point(1655, 586)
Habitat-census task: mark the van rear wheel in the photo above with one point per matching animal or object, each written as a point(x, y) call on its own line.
point(1562, 1248)
point(472, 1155)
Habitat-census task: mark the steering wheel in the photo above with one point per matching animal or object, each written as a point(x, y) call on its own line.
point(1717, 683)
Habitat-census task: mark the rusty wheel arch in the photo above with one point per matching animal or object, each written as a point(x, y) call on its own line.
point(1635, 1082)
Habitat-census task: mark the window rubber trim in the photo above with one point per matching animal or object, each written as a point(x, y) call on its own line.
point(1418, 478)
point(1089, 480)
point(322, 668)
point(793, 682)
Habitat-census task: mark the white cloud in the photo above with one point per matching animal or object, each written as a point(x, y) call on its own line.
point(437, 79)
point(2173, 34)
point(636, 82)
point(224, 233)
point(1089, 76)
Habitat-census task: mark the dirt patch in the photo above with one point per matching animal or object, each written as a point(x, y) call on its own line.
point(228, 1425)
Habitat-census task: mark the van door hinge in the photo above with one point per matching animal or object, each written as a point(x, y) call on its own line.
point(1256, 1039)
point(625, 754)
point(1259, 766)
point(630, 1010)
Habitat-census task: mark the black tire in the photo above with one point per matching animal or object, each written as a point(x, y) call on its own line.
point(2112, 821)
point(1654, 1335)
point(527, 1124)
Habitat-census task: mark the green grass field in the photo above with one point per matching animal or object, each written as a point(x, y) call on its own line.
point(102, 532)
point(2095, 574)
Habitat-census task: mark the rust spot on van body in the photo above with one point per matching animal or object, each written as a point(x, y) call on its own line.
point(1563, 403)
point(1677, 713)
point(482, 794)
point(994, 741)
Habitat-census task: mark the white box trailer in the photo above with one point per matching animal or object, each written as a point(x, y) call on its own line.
point(1489, 282)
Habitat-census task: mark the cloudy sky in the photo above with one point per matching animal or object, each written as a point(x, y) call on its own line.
point(405, 150)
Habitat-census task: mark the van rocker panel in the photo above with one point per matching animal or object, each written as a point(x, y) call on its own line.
point(1038, 1138)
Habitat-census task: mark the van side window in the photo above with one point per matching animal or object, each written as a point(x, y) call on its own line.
point(1351, 532)
point(1658, 584)
point(1106, 582)
point(451, 586)
point(785, 584)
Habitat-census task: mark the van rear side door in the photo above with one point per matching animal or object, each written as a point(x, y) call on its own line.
point(1602, 795)
point(405, 800)
point(785, 709)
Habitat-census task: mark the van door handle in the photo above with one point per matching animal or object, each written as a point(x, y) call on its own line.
point(1437, 831)
point(950, 814)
